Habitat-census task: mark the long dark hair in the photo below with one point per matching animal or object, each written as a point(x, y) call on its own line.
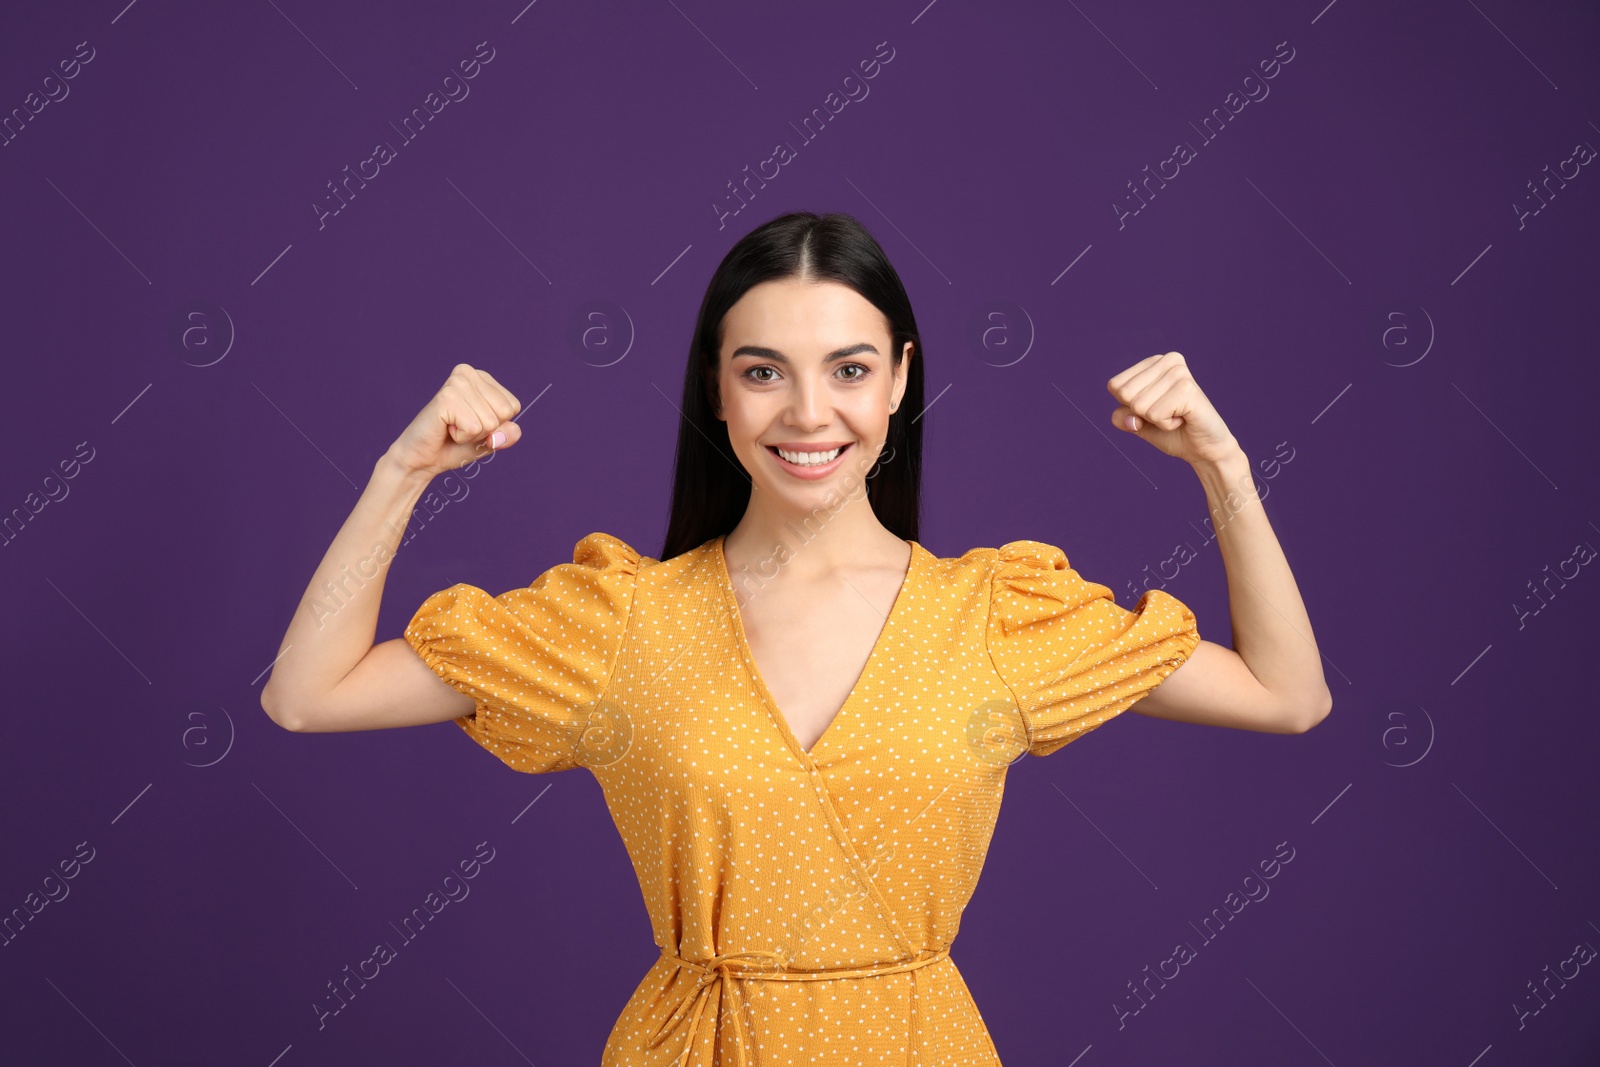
point(710, 488)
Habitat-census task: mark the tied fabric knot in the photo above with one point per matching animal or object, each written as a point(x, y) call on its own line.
point(716, 970)
point(711, 971)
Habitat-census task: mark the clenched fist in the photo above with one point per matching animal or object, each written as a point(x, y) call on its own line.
point(467, 418)
point(1159, 400)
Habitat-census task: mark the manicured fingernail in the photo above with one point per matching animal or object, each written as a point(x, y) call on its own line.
point(497, 439)
point(1133, 423)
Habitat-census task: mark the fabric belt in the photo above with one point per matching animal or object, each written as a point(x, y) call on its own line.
point(723, 967)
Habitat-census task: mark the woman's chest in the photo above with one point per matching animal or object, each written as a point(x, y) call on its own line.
point(812, 653)
point(709, 709)
point(906, 777)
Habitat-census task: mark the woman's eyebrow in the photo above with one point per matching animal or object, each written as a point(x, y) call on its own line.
point(760, 352)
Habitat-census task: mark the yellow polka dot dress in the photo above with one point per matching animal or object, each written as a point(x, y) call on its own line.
point(804, 903)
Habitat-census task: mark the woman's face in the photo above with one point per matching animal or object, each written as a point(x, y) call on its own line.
point(806, 367)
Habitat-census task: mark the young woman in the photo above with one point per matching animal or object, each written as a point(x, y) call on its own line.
point(801, 719)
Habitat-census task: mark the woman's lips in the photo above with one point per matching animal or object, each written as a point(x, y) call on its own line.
point(821, 470)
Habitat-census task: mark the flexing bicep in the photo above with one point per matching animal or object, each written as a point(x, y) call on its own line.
point(1215, 687)
point(390, 686)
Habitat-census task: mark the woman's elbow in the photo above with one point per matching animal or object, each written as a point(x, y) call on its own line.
point(1318, 711)
point(275, 710)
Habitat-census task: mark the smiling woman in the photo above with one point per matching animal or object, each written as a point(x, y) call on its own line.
point(853, 384)
point(806, 772)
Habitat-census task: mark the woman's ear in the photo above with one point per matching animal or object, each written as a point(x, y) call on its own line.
point(902, 376)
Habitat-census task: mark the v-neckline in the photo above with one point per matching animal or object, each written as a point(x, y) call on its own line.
point(868, 670)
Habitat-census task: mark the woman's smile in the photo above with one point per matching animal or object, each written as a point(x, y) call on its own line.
point(809, 462)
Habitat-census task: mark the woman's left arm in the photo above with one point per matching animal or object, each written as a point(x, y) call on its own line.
point(1271, 680)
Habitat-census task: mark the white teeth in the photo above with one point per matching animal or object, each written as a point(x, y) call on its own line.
point(810, 459)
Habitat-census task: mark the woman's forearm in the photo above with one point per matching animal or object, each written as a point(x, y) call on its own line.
point(337, 616)
point(1271, 630)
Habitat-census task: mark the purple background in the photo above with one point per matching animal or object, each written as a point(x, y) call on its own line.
point(1342, 266)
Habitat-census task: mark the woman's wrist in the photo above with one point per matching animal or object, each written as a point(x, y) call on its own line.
point(1229, 485)
point(390, 466)
point(1228, 464)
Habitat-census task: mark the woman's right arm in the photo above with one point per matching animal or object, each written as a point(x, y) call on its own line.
point(329, 676)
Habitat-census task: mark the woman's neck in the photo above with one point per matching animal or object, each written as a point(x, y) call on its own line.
point(812, 542)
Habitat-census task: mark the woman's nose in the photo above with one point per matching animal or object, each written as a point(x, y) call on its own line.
point(809, 404)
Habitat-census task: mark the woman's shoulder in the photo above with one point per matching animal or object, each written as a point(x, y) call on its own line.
point(975, 568)
point(607, 552)
point(600, 549)
point(982, 567)
point(1024, 553)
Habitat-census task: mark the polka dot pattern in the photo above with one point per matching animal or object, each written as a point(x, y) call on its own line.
point(1043, 612)
point(804, 903)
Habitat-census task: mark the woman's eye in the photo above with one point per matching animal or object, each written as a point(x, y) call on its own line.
point(756, 373)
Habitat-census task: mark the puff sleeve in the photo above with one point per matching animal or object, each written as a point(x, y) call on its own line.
point(533, 658)
point(1070, 654)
